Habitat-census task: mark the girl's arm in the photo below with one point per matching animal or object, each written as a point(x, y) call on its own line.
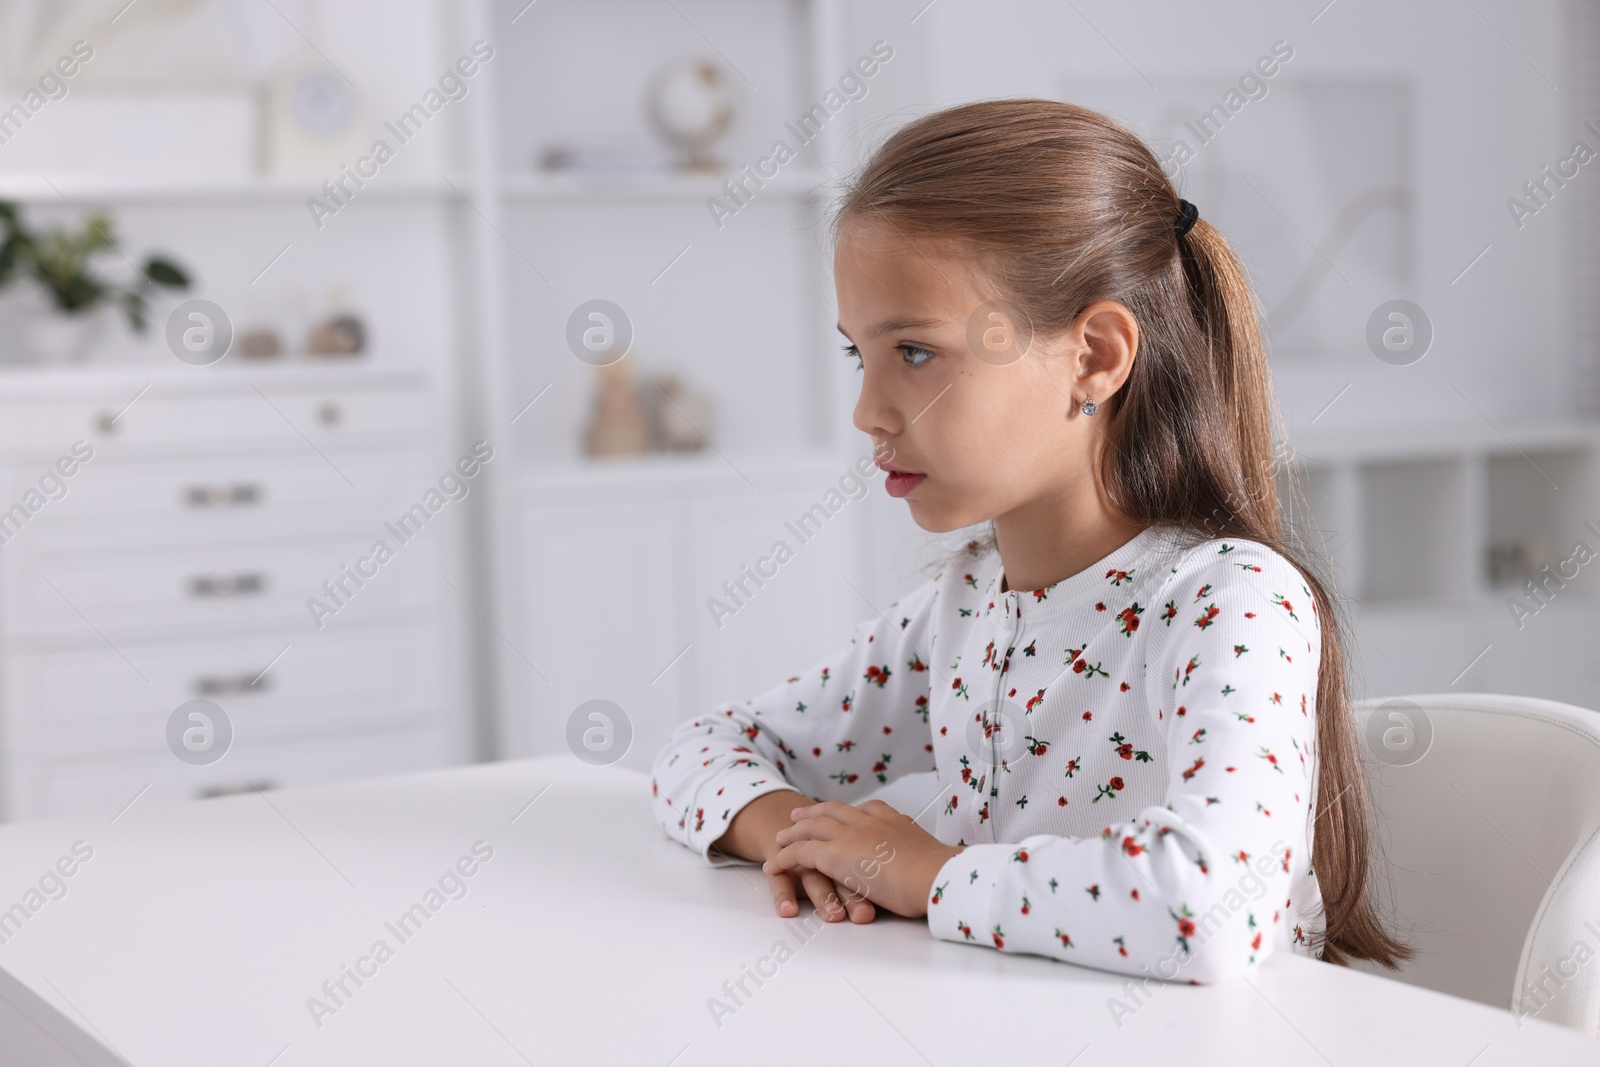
point(837, 731)
point(1192, 890)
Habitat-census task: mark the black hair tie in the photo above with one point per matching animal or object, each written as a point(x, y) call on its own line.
point(1187, 213)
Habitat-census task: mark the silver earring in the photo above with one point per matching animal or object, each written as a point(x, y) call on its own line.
point(1089, 406)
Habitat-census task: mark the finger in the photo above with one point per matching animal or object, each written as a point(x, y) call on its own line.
point(784, 894)
point(859, 908)
point(833, 809)
point(879, 808)
point(819, 887)
point(809, 829)
point(795, 854)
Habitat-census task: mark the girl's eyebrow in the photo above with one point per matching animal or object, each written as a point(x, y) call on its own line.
point(897, 326)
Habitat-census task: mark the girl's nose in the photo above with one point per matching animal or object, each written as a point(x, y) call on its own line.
point(875, 413)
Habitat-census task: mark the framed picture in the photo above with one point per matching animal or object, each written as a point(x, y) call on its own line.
point(149, 44)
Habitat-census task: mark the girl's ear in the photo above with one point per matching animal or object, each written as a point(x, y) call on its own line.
point(1105, 339)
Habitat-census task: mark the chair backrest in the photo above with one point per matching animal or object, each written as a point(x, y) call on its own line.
point(1488, 823)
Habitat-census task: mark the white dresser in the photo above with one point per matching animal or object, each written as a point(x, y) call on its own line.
point(177, 563)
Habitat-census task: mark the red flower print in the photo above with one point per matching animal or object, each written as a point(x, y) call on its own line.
point(1185, 920)
point(1107, 790)
point(1208, 616)
point(1190, 773)
point(1088, 715)
point(1126, 750)
point(1131, 847)
point(1066, 942)
point(999, 937)
point(878, 675)
point(1100, 605)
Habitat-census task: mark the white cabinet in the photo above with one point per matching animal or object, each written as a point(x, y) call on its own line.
point(180, 560)
point(615, 564)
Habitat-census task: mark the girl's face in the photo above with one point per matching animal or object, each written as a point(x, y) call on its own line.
point(953, 387)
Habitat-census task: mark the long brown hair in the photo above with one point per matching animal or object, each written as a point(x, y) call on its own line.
point(1062, 207)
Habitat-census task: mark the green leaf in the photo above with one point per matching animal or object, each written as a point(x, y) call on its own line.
point(165, 272)
point(133, 306)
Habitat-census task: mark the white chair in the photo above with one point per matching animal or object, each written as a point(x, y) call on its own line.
point(1490, 845)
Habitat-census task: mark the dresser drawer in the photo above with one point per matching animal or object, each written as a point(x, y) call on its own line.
point(209, 589)
point(43, 789)
point(94, 700)
point(241, 491)
point(326, 418)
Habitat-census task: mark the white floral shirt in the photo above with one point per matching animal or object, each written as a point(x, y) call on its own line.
point(1127, 754)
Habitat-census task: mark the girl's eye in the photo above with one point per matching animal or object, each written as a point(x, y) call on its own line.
point(915, 355)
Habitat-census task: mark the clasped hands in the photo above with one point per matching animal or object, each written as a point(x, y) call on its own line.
point(878, 855)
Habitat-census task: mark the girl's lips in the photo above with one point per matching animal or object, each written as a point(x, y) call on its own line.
point(899, 483)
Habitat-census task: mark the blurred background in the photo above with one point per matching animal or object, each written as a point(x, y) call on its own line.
point(383, 383)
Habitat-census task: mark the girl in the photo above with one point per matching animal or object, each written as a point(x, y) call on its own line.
point(1131, 692)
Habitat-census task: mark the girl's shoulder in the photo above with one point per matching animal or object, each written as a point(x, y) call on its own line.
point(1196, 552)
point(1203, 567)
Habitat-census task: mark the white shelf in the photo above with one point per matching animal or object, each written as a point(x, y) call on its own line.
point(28, 382)
point(524, 187)
point(1445, 440)
point(245, 189)
point(673, 466)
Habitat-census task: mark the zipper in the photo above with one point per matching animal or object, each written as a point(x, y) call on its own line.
point(999, 686)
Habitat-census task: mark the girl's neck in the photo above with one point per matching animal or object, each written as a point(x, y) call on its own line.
point(1054, 540)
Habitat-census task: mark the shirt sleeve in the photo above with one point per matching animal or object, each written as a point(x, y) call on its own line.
point(837, 731)
point(1189, 890)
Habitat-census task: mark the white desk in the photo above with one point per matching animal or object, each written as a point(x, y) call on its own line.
point(196, 933)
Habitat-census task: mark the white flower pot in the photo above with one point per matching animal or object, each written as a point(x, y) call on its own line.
point(59, 339)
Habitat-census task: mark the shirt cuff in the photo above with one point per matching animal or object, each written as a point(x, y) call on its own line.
point(714, 824)
point(963, 893)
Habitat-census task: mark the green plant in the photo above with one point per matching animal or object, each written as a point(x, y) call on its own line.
point(59, 259)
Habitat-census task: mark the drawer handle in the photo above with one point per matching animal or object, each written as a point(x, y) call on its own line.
point(228, 789)
point(244, 583)
point(211, 685)
point(223, 496)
